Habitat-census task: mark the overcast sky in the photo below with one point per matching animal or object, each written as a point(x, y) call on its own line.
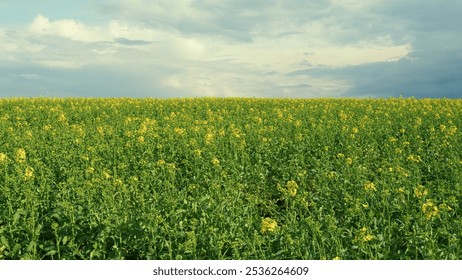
point(258, 48)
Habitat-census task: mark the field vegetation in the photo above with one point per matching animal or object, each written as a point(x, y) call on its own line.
point(212, 178)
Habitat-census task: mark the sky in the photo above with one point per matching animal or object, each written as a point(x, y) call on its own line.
point(231, 48)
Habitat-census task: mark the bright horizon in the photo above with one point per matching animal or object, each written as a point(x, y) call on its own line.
point(203, 48)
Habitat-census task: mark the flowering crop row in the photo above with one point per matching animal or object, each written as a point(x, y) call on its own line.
point(213, 178)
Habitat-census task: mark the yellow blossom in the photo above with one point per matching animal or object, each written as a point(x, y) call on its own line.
point(100, 130)
point(452, 130)
point(349, 161)
point(197, 152)
point(420, 191)
point(268, 225)
point(292, 187)
point(209, 138)
point(29, 134)
point(364, 235)
point(3, 157)
point(118, 183)
point(215, 161)
point(179, 131)
point(106, 174)
point(445, 207)
point(368, 237)
point(62, 118)
point(429, 209)
point(414, 158)
point(20, 155)
point(142, 129)
point(29, 173)
point(369, 186)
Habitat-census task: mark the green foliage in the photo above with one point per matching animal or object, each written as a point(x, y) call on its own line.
point(230, 178)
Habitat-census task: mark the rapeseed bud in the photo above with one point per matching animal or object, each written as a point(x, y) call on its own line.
point(268, 225)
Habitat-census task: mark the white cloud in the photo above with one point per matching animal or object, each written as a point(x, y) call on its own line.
point(69, 29)
point(119, 29)
point(205, 47)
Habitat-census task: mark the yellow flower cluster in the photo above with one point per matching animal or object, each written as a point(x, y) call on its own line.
point(3, 157)
point(420, 191)
point(29, 173)
point(364, 235)
point(21, 155)
point(414, 158)
point(292, 187)
point(268, 225)
point(369, 186)
point(430, 209)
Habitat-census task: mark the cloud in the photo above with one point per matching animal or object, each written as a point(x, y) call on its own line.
point(67, 28)
point(242, 48)
point(128, 42)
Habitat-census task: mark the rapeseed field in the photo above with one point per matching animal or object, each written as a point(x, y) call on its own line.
point(230, 178)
